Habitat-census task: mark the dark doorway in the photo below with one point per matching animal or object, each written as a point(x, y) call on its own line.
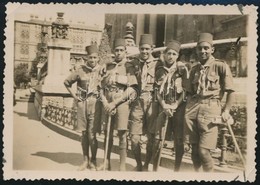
point(160, 31)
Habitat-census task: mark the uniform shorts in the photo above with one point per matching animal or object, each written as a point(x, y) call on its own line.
point(175, 124)
point(88, 115)
point(119, 120)
point(199, 122)
point(143, 114)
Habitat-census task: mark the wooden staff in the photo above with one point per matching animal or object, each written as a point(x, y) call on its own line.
point(162, 142)
point(107, 140)
point(229, 122)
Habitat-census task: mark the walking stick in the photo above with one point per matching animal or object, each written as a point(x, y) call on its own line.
point(228, 122)
point(162, 142)
point(107, 140)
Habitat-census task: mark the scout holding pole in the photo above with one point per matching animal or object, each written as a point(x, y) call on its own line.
point(229, 122)
point(162, 142)
point(107, 140)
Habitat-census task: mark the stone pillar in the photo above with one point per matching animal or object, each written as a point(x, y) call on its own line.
point(139, 27)
point(242, 58)
point(153, 27)
point(58, 61)
point(58, 57)
point(129, 39)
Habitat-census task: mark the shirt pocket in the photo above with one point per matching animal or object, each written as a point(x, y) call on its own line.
point(205, 123)
point(178, 85)
point(195, 80)
point(150, 78)
point(213, 82)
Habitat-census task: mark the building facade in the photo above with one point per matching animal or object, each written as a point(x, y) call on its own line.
point(185, 28)
point(31, 38)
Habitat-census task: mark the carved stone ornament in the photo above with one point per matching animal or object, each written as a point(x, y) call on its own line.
point(59, 27)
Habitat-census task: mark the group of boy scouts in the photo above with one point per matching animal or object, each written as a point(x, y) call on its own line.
point(144, 95)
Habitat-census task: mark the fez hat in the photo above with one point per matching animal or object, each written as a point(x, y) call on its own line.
point(92, 49)
point(205, 37)
point(119, 42)
point(146, 39)
point(174, 44)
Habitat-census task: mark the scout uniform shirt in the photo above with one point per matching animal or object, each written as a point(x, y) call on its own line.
point(170, 82)
point(88, 80)
point(210, 80)
point(145, 73)
point(145, 110)
point(118, 77)
point(88, 85)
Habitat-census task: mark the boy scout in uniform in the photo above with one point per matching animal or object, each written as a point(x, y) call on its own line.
point(144, 109)
point(170, 81)
point(209, 80)
point(117, 87)
point(89, 107)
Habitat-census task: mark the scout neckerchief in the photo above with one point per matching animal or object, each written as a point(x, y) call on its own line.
point(145, 70)
point(93, 78)
point(168, 77)
point(115, 70)
point(203, 87)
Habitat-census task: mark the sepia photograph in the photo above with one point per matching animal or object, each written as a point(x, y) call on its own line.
point(102, 92)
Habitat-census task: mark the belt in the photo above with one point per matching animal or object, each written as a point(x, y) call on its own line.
point(206, 101)
point(114, 89)
point(92, 95)
point(146, 92)
point(146, 95)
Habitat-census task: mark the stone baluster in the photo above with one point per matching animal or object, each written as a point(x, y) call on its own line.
point(224, 132)
point(63, 116)
point(74, 118)
point(43, 111)
point(69, 117)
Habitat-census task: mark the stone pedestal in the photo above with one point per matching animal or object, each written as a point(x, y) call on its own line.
point(58, 62)
point(53, 90)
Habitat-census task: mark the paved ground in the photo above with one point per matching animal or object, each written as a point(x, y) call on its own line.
point(37, 147)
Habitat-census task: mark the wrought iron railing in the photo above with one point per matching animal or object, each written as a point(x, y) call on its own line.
point(61, 115)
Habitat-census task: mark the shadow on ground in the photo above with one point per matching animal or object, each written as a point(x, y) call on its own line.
point(31, 112)
point(76, 159)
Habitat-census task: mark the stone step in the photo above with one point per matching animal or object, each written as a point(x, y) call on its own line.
point(25, 100)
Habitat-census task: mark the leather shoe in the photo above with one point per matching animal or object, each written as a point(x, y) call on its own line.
point(83, 166)
point(145, 168)
point(92, 166)
point(102, 167)
point(138, 168)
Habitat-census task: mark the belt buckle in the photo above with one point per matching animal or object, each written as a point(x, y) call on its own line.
point(114, 89)
point(205, 101)
point(146, 95)
point(81, 96)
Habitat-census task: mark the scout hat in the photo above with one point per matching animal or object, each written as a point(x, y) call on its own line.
point(205, 37)
point(91, 49)
point(119, 42)
point(146, 39)
point(174, 44)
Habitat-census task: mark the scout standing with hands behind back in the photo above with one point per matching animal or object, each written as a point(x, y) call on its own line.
point(89, 106)
point(209, 80)
point(144, 109)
